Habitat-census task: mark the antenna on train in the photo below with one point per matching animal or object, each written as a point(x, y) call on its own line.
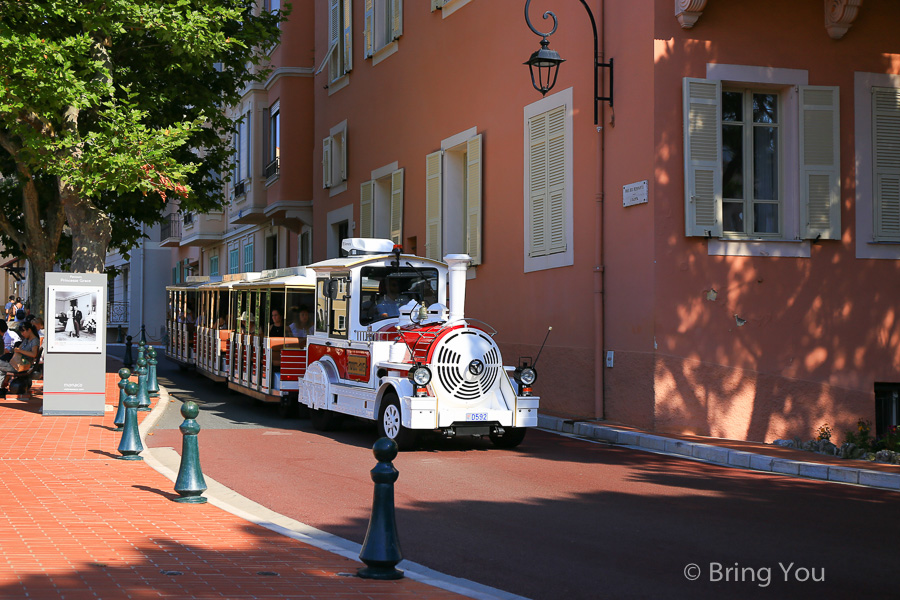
point(549, 329)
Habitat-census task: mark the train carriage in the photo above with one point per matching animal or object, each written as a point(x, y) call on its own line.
point(268, 352)
point(181, 317)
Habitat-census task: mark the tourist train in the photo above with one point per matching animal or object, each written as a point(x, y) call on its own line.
point(376, 334)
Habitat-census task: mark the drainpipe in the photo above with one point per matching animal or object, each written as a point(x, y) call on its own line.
point(599, 239)
point(143, 274)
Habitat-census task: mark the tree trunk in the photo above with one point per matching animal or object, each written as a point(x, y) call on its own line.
point(39, 264)
point(91, 231)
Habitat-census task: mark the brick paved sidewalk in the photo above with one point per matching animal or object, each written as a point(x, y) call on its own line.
point(75, 523)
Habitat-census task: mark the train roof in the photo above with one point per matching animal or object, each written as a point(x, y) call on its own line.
point(349, 262)
point(299, 276)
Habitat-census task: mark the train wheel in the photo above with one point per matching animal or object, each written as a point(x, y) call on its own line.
point(323, 419)
point(511, 437)
point(389, 424)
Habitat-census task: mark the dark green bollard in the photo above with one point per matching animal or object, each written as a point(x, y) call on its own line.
point(142, 350)
point(143, 334)
point(119, 419)
point(190, 483)
point(142, 395)
point(128, 360)
point(381, 548)
point(152, 383)
point(130, 445)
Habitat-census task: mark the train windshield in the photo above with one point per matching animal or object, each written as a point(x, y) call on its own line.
point(386, 289)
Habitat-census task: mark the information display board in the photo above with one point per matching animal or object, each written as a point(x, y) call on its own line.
point(75, 344)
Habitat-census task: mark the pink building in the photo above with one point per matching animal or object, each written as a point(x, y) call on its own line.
point(719, 255)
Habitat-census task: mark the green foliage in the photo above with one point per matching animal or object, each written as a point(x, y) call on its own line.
point(121, 100)
point(862, 436)
point(823, 432)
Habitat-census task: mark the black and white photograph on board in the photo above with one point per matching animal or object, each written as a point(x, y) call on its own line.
point(74, 323)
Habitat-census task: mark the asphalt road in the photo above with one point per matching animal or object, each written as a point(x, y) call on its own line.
point(557, 517)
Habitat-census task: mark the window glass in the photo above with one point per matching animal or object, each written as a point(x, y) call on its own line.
point(385, 289)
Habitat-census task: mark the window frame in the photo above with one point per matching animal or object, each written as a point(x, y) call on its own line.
point(334, 160)
point(798, 102)
point(381, 204)
point(563, 98)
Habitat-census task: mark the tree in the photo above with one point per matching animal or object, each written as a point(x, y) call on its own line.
point(108, 108)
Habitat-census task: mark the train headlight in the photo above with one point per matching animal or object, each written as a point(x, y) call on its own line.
point(527, 375)
point(421, 376)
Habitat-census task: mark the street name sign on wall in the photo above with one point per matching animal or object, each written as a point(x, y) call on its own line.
point(74, 344)
point(635, 193)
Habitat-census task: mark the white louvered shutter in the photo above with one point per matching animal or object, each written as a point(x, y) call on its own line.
point(366, 207)
point(702, 157)
point(343, 156)
point(397, 206)
point(369, 28)
point(537, 184)
point(326, 162)
point(820, 163)
point(473, 198)
point(556, 180)
point(334, 38)
point(433, 205)
point(348, 35)
point(396, 19)
point(886, 159)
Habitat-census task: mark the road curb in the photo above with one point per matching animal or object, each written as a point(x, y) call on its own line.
point(719, 455)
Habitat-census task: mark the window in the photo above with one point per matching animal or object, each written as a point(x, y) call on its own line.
point(272, 142)
point(761, 156)
point(885, 135)
point(305, 257)
point(340, 226)
point(242, 156)
point(248, 257)
point(381, 205)
point(453, 198)
point(125, 273)
point(383, 24)
point(111, 290)
point(334, 160)
point(887, 407)
point(548, 183)
point(234, 259)
point(214, 265)
point(339, 58)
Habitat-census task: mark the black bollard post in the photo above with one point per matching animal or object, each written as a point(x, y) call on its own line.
point(119, 420)
point(142, 395)
point(152, 383)
point(190, 484)
point(130, 445)
point(381, 548)
point(144, 333)
point(128, 360)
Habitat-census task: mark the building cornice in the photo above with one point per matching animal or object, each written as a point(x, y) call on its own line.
point(839, 14)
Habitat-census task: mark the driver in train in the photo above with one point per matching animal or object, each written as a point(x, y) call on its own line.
point(389, 304)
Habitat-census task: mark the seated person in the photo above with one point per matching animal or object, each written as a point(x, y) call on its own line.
point(389, 304)
point(276, 325)
point(301, 324)
point(39, 326)
point(24, 355)
point(9, 338)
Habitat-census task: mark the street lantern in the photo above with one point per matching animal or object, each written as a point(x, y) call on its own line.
point(546, 62)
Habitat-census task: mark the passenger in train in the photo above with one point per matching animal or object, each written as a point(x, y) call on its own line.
point(389, 304)
point(301, 324)
point(276, 325)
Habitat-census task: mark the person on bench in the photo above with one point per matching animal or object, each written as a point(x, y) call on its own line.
point(23, 356)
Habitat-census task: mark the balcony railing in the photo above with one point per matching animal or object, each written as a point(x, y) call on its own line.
point(271, 169)
point(171, 228)
point(116, 313)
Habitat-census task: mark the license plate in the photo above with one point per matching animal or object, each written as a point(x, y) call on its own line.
point(476, 416)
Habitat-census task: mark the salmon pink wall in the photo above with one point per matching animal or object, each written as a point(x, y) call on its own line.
point(784, 344)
